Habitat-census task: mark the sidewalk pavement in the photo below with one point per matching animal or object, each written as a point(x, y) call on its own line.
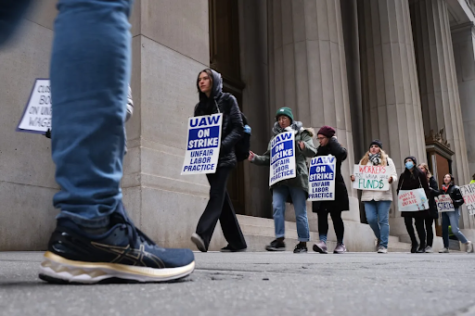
point(260, 283)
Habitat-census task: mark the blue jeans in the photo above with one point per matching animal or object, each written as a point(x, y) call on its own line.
point(377, 214)
point(90, 69)
point(452, 219)
point(299, 199)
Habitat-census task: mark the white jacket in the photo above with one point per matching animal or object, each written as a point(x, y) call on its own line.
point(381, 195)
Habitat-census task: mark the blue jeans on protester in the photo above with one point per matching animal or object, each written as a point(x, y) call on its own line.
point(89, 91)
point(377, 214)
point(299, 200)
point(452, 219)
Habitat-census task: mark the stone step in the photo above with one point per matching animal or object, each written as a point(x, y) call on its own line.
point(260, 231)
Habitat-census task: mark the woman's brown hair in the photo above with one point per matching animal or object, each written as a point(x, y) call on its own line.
point(426, 167)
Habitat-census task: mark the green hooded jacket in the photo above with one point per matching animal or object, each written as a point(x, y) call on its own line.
point(301, 135)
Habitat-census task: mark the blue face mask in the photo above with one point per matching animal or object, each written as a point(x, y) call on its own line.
point(409, 165)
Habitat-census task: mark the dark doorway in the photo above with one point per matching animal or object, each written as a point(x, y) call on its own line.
point(225, 58)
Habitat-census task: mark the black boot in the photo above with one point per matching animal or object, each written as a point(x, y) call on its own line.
point(422, 249)
point(414, 247)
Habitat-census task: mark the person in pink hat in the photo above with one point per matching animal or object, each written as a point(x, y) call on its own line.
point(329, 145)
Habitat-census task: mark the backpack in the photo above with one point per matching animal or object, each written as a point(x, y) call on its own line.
point(242, 147)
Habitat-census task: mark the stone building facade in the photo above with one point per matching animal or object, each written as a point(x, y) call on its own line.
point(402, 71)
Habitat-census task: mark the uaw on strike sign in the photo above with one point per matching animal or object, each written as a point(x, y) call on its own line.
point(321, 179)
point(282, 162)
point(36, 117)
point(204, 142)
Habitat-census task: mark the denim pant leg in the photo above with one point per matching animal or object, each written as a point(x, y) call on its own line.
point(454, 223)
point(371, 212)
point(279, 196)
point(11, 13)
point(445, 229)
point(299, 199)
point(90, 69)
point(383, 214)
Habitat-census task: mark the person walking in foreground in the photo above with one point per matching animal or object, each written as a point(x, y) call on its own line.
point(329, 146)
point(433, 213)
point(378, 203)
point(413, 178)
point(94, 239)
point(212, 101)
point(296, 188)
point(452, 218)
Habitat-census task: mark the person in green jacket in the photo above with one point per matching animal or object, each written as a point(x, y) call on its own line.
point(473, 179)
point(296, 188)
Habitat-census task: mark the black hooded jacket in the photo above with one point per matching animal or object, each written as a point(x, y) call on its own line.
point(232, 128)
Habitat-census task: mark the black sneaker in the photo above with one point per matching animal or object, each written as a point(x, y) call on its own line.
point(228, 248)
point(276, 245)
point(123, 253)
point(300, 248)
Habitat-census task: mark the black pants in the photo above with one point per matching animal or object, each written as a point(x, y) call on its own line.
point(337, 224)
point(220, 207)
point(430, 234)
point(421, 231)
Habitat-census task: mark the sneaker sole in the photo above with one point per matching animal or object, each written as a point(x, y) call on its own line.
point(268, 248)
point(196, 239)
point(239, 250)
point(56, 269)
point(319, 250)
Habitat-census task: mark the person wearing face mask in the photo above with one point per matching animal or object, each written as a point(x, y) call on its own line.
point(413, 178)
point(378, 203)
point(452, 218)
point(296, 188)
point(329, 145)
point(212, 101)
point(433, 213)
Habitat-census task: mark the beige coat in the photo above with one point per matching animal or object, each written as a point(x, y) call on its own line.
point(369, 195)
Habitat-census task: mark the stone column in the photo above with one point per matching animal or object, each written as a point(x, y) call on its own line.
point(463, 39)
point(391, 102)
point(308, 71)
point(438, 80)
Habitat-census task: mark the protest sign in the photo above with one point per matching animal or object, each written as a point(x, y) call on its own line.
point(282, 161)
point(444, 203)
point(375, 178)
point(203, 144)
point(468, 193)
point(321, 179)
point(36, 117)
point(412, 200)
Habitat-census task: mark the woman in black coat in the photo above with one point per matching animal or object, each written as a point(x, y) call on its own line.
point(413, 178)
point(433, 213)
point(329, 146)
point(212, 101)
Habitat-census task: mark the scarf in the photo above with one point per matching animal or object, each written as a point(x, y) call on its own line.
point(445, 187)
point(375, 159)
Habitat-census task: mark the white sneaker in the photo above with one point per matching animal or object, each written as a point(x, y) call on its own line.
point(376, 244)
point(382, 249)
point(444, 250)
point(469, 247)
point(429, 249)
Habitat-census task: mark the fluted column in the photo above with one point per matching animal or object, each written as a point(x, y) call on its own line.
point(438, 80)
point(308, 70)
point(391, 101)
